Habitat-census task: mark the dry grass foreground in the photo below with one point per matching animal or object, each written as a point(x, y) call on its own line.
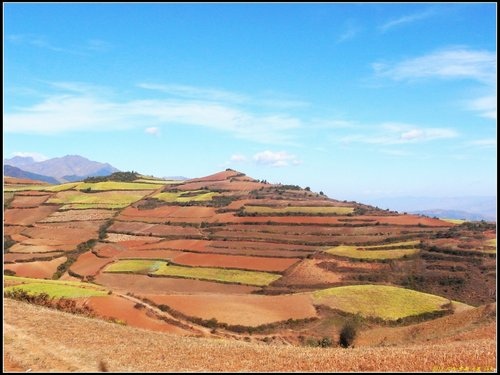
point(39, 339)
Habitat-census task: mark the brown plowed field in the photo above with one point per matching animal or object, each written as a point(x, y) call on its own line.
point(24, 201)
point(193, 245)
point(68, 233)
point(411, 220)
point(107, 250)
point(153, 229)
point(14, 257)
point(39, 269)
point(38, 249)
point(167, 212)
point(124, 310)
point(28, 216)
point(148, 254)
point(235, 205)
point(78, 215)
point(120, 237)
point(88, 264)
point(247, 310)
point(307, 273)
point(219, 176)
point(7, 180)
point(222, 185)
point(260, 245)
point(140, 284)
point(235, 261)
point(259, 252)
point(12, 229)
point(43, 340)
point(19, 237)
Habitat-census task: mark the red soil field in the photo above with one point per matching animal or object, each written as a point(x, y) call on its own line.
point(247, 310)
point(167, 212)
point(411, 220)
point(78, 215)
point(235, 261)
point(68, 233)
point(9, 230)
point(40, 269)
point(219, 176)
point(13, 257)
point(37, 250)
point(24, 201)
point(27, 216)
point(140, 284)
point(107, 250)
point(260, 252)
point(307, 273)
point(235, 205)
point(193, 245)
point(88, 264)
point(124, 310)
point(148, 254)
point(223, 185)
point(19, 237)
point(154, 229)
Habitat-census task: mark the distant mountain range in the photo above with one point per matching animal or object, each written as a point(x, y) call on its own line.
point(9, 170)
point(468, 208)
point(64, 169)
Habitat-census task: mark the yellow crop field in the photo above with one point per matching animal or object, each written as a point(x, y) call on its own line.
point(54, 288)
point(381, 301)
point(108, 199)
point(356, 252)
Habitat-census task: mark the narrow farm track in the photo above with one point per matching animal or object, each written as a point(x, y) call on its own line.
point(82, 344)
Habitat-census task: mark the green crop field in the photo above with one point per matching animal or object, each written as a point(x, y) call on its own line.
point(453, 221)
point(162, 268)
point(81, 200)
point(376, 252)
point(62, 187)
point(159, 182)
point(381, 301)
point(187, 196)
point(134, 266)
point(115, 185)
point(54, 288)
point(299, 210)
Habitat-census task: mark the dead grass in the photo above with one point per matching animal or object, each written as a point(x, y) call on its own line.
point(44, 340)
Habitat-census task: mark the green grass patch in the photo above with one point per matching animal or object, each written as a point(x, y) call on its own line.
point(134, 266)
point(162, 268)
point(380, 301)
point(55, 288)
point(186, 196)
point(356, 252)
point(299, 210)
point(454, 221)
point(81, 200)
point(116, 185)
point(159, 182)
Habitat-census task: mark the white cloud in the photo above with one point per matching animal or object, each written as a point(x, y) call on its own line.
point(238, 158)
point(404, 20)
point(398, 133)
point(85, 108)
point(35, 155)
point(276, 159)
point(349, 32)
point(83, 48)
point(486, 106)
point(192, 92)
point(153, 131)
point(450, 63)
point(485, 143)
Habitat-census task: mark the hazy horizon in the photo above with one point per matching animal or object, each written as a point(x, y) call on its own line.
point(360, 101)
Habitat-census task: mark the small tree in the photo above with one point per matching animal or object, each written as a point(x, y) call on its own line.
point(347, 334)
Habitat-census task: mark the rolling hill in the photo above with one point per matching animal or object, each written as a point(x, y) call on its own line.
point(229, 257)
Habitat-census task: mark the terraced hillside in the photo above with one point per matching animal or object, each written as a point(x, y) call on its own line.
point(230, 256)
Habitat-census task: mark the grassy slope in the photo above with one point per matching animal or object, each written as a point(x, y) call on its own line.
point(382, 301)
point(38, 339)
point(356, 253)
point(54, 288)
point(161, 268)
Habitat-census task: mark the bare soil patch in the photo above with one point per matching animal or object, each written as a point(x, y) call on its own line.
point(28, 216)
point(39, 269)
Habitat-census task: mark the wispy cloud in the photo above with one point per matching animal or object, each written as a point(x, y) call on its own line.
point(276, 159)
point(407, 19)
point(450, 63)
point(35, 155)
point(192, 92)
point(396, 133)
point(153, 131)
point(485, 143)
point(351, 29)
point(486, 106)
point(238, 158)
point(82, 48)
point(80, 108)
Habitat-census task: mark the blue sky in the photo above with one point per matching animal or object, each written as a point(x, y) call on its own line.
point(356, 100)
